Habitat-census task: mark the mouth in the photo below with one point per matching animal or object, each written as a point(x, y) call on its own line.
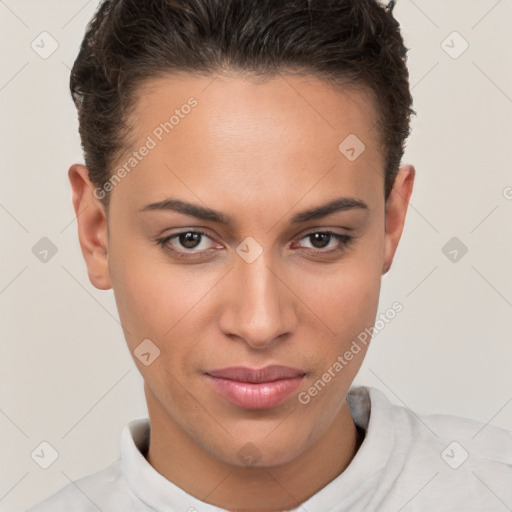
point(256, 388)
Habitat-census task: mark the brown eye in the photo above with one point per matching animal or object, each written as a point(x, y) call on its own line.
point(322, 239)
point(189, 239)
point(182, 244)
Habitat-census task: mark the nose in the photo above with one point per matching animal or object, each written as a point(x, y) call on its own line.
point(257, 305)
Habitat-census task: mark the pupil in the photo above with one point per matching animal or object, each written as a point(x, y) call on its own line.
point(320, 237)
point(189, 240)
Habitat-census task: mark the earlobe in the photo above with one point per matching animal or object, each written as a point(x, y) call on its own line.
point(396, 210)
point(92, 226)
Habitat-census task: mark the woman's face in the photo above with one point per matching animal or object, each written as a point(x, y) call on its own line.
point(261, 282)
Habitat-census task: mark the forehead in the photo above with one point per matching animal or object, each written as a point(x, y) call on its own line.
point(287, 131)
point(264, 100)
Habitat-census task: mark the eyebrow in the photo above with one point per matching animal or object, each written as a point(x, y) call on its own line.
point(200, 212)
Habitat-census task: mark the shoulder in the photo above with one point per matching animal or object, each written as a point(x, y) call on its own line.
point(465, 462)
point(105, 489)
point(455, 433)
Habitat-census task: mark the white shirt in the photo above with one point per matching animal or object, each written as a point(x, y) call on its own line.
point(407, 462)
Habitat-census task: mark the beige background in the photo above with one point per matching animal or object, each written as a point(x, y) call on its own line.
point(67, 377)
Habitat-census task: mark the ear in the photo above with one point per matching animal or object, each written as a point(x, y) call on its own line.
point(92, 226)
point(396, 210)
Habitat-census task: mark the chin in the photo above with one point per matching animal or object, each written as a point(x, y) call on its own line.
point(261, 453)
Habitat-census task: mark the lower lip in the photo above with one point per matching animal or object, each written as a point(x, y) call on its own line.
point(263, 395)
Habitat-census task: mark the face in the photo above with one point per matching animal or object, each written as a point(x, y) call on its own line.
point(237, 263)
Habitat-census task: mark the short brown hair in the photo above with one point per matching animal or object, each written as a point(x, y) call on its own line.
point(346, 42)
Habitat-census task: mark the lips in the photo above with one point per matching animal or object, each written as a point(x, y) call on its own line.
point(255, 388)
point(267, 374)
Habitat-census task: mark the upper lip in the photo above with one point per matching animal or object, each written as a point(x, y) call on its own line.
point(257, 375)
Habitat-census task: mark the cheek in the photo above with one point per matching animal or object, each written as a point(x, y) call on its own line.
point(163, 303)
point(139, 302)
point(151, 293)
point(347, 304)
point(358, 297)
point(345, 297)
point(358, 288)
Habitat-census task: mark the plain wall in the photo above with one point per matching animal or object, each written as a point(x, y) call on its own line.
point(67, 376)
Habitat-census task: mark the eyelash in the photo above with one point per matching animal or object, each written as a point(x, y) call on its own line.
point(344, 241)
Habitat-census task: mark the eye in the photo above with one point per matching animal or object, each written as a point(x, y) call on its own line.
point(185, 242)
point(319, 240)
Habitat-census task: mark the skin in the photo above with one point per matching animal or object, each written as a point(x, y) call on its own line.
point(260, 153)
